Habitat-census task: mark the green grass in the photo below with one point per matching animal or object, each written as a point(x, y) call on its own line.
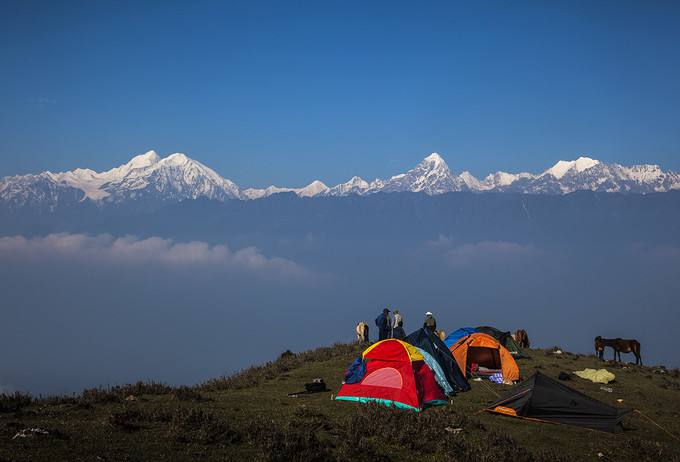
point(249, 415)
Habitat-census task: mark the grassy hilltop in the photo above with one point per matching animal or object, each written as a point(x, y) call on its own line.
point(249, 415)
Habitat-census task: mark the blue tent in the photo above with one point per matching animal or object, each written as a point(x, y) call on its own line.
point(458, 334)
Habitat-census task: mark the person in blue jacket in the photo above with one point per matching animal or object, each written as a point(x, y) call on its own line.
point(383, 323)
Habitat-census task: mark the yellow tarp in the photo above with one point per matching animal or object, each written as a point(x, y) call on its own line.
point(596, 375)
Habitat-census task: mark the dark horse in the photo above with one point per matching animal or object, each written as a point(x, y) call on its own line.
point(522, 338)
point(619, 346)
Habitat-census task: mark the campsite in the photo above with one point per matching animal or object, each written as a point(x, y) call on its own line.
point(332, 231)
point(262, 413)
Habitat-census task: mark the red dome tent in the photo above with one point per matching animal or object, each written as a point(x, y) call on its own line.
point(396, 375)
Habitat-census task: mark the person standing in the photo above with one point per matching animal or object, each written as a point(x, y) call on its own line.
point(383, 323)
point(430, 322)
point(398, 326)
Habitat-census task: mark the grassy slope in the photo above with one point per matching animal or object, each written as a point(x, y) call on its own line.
point(250, 415)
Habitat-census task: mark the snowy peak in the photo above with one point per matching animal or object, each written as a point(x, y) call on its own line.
point(433, 163)
point(145, 176)
point(584, 163)
point(431, 176)
point(314, 188)
point(176, 159)
point(175, 177)
point(501, 180)
point(143, 160)
point(358, 182)
point(140, 161)
point(472, 183)
point(355, 185)
point(434, 159)
point(563, 167)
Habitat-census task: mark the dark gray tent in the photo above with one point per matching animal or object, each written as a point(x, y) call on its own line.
point(545, 399)
point(504, 338)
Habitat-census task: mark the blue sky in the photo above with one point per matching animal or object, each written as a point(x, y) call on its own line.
point(285, 92)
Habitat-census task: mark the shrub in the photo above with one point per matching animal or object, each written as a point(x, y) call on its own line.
point(184, 393)
point(128, 419)
point(100, 396)
point(14, 402)
point(143, 388)
point(118, 393)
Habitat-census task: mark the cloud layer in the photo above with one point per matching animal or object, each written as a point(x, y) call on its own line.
point(130, 250)
point(480, 254)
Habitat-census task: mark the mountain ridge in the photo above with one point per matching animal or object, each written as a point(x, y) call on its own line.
point(178, 177)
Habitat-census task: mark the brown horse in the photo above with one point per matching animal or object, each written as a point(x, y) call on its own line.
point(619, 346)
point(522, 338)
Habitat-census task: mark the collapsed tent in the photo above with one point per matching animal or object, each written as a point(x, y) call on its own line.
point(394, 373)
point(458, 334)
point(504, 338)
point(426, 340)
point(544, 399)
point(479, 353)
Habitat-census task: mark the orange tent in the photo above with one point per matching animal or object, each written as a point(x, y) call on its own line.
point(484, 350)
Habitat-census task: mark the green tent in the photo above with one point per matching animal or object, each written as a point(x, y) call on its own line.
point(504, 338)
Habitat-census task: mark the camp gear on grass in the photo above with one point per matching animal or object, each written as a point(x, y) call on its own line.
point(564, 376)
point(315, 386)
point(497, 377)
point(596, 375)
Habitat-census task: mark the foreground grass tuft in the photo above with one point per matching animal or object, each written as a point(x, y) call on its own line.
point(14, 402)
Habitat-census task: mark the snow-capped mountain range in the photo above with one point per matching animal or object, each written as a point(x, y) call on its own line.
point(178, 177)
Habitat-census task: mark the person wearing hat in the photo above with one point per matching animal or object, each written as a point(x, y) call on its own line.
point(398, 326)
point(430, 322)
point(383, 323)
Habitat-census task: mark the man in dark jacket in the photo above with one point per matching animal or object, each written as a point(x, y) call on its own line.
point(430, 323)
point(383, 323)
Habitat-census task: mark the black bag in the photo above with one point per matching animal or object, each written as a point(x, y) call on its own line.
point(316, 386)
point(564, 376)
